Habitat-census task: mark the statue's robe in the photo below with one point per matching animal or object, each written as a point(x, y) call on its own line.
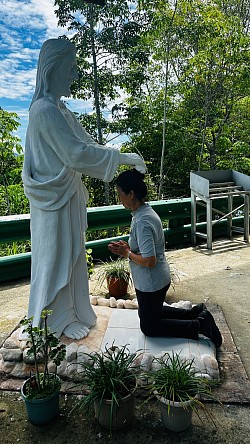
point(57, 152)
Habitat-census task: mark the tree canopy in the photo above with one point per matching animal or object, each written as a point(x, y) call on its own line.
point(12, 198)
point(10, 149)
point(170, 76)
point(177, 75)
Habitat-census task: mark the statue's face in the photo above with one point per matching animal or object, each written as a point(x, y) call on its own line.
point(63, 75)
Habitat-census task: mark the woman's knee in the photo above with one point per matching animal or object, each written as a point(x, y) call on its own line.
point(147, 330)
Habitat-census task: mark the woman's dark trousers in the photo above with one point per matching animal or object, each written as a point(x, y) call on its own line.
point(157, 319)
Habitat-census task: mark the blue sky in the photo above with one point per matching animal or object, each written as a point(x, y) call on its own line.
point(24, 26)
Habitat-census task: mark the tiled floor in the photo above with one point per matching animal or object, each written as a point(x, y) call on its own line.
point(123, 328)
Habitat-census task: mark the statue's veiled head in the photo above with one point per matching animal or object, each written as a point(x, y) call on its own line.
point(53, 54)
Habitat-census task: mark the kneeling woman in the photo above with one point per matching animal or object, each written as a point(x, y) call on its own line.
point(150, 270)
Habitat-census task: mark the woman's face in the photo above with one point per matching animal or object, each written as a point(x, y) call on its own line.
point(126, 199)
point(63, 75)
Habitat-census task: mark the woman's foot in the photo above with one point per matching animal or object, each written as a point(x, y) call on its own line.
point(197, 309)
point(209, 328)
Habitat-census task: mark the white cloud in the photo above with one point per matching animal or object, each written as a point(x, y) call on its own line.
point(30, 14)
point(78, 105)
point(18, 84)
point(26, 25)
point(46, 10)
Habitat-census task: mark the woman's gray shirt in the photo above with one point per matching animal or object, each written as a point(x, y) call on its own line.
point(147, 238)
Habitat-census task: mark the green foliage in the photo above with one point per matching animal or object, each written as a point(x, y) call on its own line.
point(96, 190)
point(43, 343)
point(10, 163)
point(10, 248)
point(13, 200)
point(109, 60)
point(103, 234)
point(184, 69)
point(108, 375)
point(89, 261)
point(51, 384)
point(176, 380)
point(155, 70)
point(118, 269)
point(199, 60)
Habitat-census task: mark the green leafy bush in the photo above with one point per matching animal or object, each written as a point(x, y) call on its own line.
point(43, 343)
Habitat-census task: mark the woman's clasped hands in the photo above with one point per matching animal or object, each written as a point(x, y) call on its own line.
point(121, 248)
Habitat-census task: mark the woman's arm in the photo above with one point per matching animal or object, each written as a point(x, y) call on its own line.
point(121, 248)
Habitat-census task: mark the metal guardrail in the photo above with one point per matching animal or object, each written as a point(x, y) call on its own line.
point(177, 213)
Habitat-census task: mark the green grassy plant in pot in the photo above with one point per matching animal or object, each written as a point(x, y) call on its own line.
point(179, 390)
point(41, 390)
point(109, 382)
point(117, 275)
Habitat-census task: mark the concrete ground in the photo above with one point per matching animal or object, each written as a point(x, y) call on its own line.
point(221, 277)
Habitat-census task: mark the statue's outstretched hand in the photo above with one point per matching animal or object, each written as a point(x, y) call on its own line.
point(133, 159)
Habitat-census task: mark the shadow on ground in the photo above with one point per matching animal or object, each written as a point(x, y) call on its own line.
point(78, 428)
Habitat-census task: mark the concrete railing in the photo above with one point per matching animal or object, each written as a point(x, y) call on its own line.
point(175, 214)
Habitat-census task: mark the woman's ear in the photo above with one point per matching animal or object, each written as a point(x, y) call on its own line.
point(132, 194)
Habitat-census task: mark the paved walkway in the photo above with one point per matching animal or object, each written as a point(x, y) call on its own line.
point(123, 328)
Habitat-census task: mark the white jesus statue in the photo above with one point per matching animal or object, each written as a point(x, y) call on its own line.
point(58, 151)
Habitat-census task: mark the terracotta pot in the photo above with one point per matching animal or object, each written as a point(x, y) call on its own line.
point(121, 417)
point(118, 288)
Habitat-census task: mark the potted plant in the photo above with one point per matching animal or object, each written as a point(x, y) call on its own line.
point(179, 390)
point(109, 382)
point(41, 390)
point(117, 275)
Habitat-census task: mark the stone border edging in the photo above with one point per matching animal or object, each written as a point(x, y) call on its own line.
point(114, 303)
point(15, 363)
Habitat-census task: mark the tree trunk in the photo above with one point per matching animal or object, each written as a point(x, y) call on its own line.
point(96, 94)
point(165, 105)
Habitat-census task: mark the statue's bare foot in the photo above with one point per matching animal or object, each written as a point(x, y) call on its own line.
point(76, 330)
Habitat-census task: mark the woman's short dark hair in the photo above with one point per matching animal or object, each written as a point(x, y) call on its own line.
point(132, 180)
